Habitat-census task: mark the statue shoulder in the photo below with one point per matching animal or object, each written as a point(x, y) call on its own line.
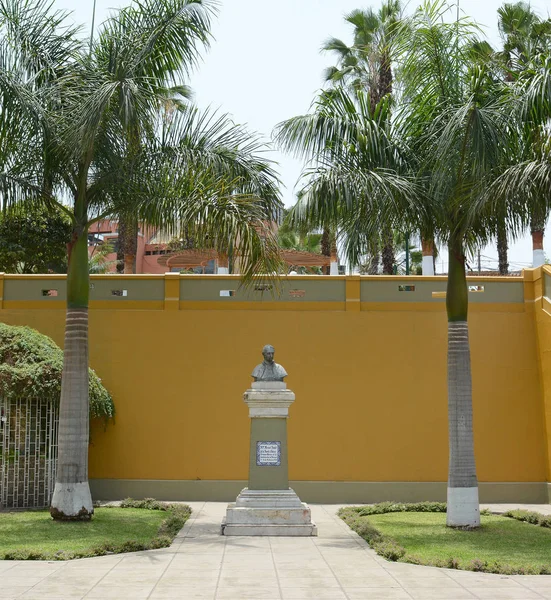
point(281, 371)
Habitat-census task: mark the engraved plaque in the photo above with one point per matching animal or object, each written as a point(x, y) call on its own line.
point(268, 454)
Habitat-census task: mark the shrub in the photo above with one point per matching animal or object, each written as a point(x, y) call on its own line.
point(453, 563)
point(391, 507)
point(477, 565)
point(531, 517)
point(146, 503)
point(389, 549)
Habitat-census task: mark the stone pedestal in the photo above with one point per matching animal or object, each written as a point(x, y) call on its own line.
point(268, 506)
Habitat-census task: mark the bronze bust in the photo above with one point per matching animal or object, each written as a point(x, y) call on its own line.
point(269, 370)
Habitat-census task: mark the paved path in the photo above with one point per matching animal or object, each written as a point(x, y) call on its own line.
point(202, 564)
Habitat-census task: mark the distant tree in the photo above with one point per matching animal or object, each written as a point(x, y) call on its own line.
point(98, 261)
point(291, 237)
point(34, 241)
point(526, 46)
point(366, 67)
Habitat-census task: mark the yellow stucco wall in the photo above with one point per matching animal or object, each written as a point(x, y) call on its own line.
point(370, 387)
point(542, 315)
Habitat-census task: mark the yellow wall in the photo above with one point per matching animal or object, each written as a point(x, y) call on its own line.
point(370, 387)
point(542, 313)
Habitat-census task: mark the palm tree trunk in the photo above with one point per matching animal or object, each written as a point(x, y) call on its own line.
point(463, 507)
point(427, 246)
point(373, 268)
point(537, 227)
point(120, 249)
point(71, 498)
point(326, 247)
point(334, 266)
point(388, 252)
point(385, 75)
point(128, 242)
point(502, 247)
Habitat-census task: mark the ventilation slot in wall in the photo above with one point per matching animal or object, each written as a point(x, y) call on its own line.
point(297, 293)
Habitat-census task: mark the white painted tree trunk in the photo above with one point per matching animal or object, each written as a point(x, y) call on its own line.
point(463, 508)
point(538, 258)
point(428, 257)
point(334, 268)
point(71, 498)
point(538, 255)
point(428, 265)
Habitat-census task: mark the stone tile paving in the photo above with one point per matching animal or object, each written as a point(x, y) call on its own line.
point(201, 564)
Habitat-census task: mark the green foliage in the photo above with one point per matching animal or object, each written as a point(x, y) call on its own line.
point(529, 517)
point(34, 240)
point(31, 365)
point(151, 504)
point(134, 526)
point(498, 546)
point(178, 515)
point(389, 549)
point(388, 507)
point(383, 545)
point(98, 262)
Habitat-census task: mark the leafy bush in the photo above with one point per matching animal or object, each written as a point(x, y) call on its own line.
point(389, 549)
point(22, 235)
point(31, 365)
point(453, 563)
point(478, 565)
point(146, 503)
point(391, 507)
point(527, 516)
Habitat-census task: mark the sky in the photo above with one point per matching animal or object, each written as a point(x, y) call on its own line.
point(265, 65)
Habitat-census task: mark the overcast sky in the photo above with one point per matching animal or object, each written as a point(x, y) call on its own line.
point(265, 65)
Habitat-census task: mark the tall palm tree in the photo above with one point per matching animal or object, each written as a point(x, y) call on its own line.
point(355, 182)
point(95, 117)
point(367, 66)
point(465, 112)
point(452, 125)
point(525, 184)
point(525, 37)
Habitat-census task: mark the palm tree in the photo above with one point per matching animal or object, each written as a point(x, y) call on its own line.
point(525, 37)
point(94, 114)
point(451, 125)
point(464, 111)
point(356, 181)
point(525, 184)
point(367, 66)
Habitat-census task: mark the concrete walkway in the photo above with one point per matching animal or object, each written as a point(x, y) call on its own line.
point(203, 564)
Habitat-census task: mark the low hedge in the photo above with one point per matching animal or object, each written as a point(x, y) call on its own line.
point(390, 549)
point(177, 515)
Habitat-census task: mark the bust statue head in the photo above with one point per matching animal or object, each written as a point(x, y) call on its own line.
point(268, 353)
point(269, 370)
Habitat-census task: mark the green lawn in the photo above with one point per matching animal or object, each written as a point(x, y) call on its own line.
point(37, 532)
point(499, 539)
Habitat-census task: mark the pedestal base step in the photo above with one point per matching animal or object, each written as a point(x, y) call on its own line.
point(268, 512)
point(275, 530)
